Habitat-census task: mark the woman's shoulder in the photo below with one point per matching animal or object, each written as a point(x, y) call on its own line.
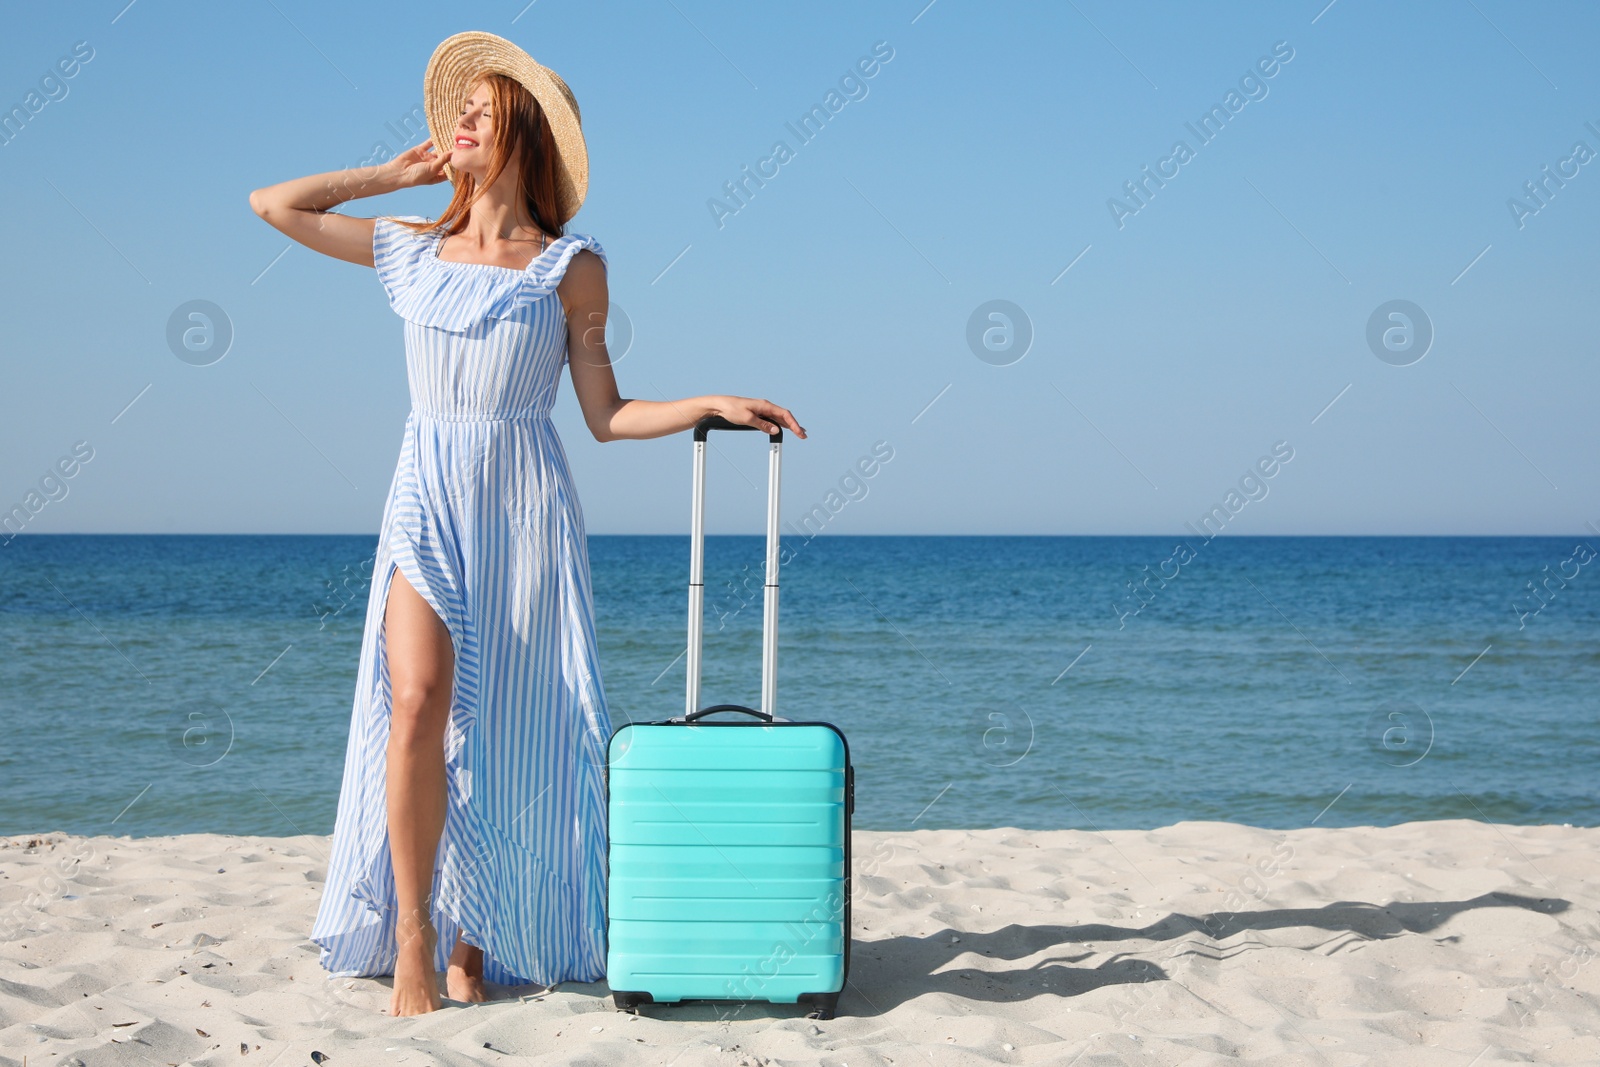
point(393, 241)
point(569, 258)
point(547, 272)
point(399, 253)
point(585, 240)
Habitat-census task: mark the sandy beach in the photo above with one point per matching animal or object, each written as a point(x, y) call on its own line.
point(1451, 943)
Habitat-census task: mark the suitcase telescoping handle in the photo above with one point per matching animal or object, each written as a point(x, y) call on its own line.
point(697, 560)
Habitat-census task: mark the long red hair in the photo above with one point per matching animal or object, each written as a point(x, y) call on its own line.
point(521, 132)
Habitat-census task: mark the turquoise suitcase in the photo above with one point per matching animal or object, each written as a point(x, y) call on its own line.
point(729, 846)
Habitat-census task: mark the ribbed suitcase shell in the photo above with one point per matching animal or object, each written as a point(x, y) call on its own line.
point(730, 851)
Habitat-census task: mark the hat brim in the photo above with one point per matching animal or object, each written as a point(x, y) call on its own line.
point(461, 61)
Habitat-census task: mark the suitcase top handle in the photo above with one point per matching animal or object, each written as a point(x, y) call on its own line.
point(717, 422)
point(713, 709)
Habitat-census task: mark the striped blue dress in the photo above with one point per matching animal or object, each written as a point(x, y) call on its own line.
point(482, 520)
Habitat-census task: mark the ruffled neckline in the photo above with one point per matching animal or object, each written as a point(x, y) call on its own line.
point(436, 241)
point(457, 296)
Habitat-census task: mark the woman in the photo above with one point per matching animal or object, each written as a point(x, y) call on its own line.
point(478, 732)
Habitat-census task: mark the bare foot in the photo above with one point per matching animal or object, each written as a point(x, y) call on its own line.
point(416, 983)
point(464, 979)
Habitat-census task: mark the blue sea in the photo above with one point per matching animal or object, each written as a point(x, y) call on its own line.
point(172, 684)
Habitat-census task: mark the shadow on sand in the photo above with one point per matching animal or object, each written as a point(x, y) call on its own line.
point(886, 973)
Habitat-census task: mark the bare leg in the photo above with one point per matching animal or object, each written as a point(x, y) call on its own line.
point(421, 673)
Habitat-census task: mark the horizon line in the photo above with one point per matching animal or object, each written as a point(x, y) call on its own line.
point(802, 537)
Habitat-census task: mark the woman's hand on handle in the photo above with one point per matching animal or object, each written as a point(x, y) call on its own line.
point(764, 415)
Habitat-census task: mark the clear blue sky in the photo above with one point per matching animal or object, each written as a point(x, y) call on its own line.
point(1189, 336)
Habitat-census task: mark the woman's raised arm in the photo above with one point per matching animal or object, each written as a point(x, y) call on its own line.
point(301, 207)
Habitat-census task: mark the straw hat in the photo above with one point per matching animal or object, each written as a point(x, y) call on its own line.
point(457, 65)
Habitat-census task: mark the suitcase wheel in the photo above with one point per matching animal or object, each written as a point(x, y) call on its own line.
point(822, 1005)
point(629, 1001)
